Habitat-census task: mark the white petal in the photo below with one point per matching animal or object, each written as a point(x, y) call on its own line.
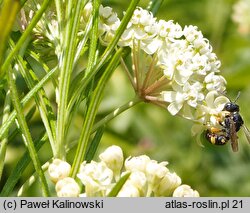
point(210, 98)
point(221, 101)
point(169, 96)
point(174, 108)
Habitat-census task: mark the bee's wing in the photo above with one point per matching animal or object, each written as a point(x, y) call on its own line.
point(233, 136)
point(247, 133)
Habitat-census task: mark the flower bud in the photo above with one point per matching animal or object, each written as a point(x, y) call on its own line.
point(167, 184)
point(129, 190)
point(185, 191)
point(137, 163)
point(113, 158)
point(96, 177)
point(155, 172)
point(87, 11)
point(67, 187)
point(139, 180)
point(58, 169)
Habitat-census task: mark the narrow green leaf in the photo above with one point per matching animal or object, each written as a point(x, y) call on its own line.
point(39, 62)
point(43, 104)
point(4, 141)
point(94, 144)
point(16, 131)
point(117, 187)
point(26, 133)
point(31, 180)
point(75, 82)
point(154, 6)
point(20, 167)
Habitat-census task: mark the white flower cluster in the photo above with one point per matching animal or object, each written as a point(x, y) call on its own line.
point(50, 31)
point(59, 173)
point(147, 178)
point(241, 16)
point(189, 83)
point(108, 22)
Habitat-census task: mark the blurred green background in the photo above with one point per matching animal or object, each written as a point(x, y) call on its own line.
point(147, 129)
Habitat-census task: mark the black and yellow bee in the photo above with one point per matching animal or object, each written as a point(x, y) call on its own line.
point(232, 123)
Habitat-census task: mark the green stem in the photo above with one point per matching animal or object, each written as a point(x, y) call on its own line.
point(93, 37)
point(91, 113)
point(26, 133)
point(130, 77)
point(82, 43)
point(24, 36)
point(59, 15)
point(6, 112)
point(150, 72)
point(70, 40)
point(116, 112)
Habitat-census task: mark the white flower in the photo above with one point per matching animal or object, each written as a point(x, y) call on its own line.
point(215, 82)
point(241, 16)
point(155, 172)
point(113, 158)
point(176, 61)
point(166, 32)
point(96, 177)
point(191, 94)
point(169, 30)
point(87, 10)
point(185, 191)
point(107, 18)
point(176, 100)
point(191, 33)
point(208, 113)
point(142, 27)
point(167, 184)
point(108, 22)
point(139, 180)
point(58, 169)
point(67, 187)
point(129, 190)
point(137, 163)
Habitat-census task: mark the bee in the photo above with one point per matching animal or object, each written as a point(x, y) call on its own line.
point(232, 123)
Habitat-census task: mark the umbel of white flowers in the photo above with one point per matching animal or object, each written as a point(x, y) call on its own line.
point(147, 177)
point(177, 68)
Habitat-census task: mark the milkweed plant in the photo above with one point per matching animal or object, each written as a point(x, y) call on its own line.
point(83, 42)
